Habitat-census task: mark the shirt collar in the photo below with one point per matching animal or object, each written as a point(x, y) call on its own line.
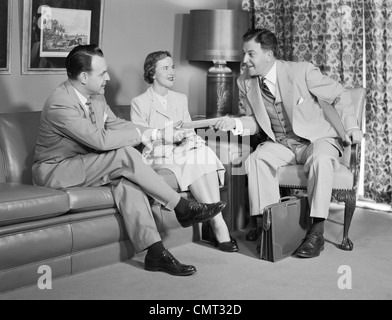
point(159, 96)
point(81, 97)
point(271, 75)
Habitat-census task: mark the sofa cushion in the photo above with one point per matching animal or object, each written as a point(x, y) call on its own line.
point(294, 175)
point(90, 198)
point(23, 203)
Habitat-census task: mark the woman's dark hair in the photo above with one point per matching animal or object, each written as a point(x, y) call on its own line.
point(266, 38)
point(151, 62)
point(79, 59)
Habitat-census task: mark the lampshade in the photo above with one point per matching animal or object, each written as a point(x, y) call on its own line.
point(216, 35)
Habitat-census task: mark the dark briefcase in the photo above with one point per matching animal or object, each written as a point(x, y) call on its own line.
point(285, 225)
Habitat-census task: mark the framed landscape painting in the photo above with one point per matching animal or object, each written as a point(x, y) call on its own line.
point(5, 35)
point(52, 28)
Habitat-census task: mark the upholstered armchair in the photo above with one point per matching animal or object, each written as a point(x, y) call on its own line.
point(345, 179)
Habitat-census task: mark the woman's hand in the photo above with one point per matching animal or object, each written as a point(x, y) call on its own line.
point(193, 142)
point(181, 134)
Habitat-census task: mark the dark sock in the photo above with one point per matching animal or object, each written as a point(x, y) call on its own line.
point(182, 207)
point(318, 225)
point(253, 221)
point(156, 250)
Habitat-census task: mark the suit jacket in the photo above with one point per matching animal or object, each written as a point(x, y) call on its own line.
point(146, 110)
point(67, 133)
point(299, 86)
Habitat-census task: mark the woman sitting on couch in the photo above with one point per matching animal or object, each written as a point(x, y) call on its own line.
point(195, 165)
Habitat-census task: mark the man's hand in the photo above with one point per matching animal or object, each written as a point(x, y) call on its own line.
point(225, 123)
point(354, 136)
point(173, 133)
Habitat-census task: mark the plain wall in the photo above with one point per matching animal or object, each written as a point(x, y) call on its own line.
point(131, 30)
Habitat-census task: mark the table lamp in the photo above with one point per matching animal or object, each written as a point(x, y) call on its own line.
point(216, 35)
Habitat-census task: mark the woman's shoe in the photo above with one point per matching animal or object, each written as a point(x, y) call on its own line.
point(228, 246)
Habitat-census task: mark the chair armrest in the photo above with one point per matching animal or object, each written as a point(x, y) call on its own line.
point(354, 162)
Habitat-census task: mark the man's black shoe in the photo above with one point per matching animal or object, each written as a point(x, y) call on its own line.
point(167, 263)
point(312, 246)
point(253, 234)
point(200, 212)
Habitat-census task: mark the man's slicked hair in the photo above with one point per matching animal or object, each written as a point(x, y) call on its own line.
point(79, 59)
point(264, 37)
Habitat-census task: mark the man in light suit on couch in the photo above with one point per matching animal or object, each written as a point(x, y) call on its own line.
point(81, 143)
point(280, 99)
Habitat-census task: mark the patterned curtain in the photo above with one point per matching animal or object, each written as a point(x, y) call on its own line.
point(327, 33)
point(378, 171)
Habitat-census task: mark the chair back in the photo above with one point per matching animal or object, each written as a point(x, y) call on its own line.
point(123, 111)
point(358, 97)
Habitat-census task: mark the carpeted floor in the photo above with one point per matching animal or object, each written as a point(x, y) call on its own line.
point(243, 276)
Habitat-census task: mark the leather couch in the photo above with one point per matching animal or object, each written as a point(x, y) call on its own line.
point(78, 229)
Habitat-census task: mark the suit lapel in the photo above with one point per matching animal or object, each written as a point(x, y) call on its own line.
point(173, 108)
point(259, 110)
point(96, 104)
point(284, 88)
point(99, 110)
point(156, 105)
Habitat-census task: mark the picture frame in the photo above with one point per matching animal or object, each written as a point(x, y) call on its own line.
point(52, 28)
point(5, 36)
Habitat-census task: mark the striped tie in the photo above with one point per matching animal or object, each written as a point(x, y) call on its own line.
point(265, 89)
point(91, 112)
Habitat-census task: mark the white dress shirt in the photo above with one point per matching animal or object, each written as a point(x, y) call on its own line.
point(270, 81)
point(83, 100)
point(162, 99)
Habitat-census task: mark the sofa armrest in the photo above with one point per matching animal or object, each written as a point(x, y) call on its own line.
point(2, 169)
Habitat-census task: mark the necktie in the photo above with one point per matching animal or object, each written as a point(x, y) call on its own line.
point(91, 112)
point(265, 89)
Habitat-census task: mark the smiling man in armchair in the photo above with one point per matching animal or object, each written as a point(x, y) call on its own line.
point(281, 99)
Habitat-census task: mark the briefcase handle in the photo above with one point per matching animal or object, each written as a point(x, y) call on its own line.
point(267, 218)
point(287, 198)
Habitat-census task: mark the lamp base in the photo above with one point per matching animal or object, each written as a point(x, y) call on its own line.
point(220, 90)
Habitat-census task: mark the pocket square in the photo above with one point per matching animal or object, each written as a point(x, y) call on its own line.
point(105, 117)
point(300, 100)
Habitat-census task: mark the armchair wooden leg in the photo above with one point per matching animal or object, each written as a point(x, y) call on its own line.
point(349, 198)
